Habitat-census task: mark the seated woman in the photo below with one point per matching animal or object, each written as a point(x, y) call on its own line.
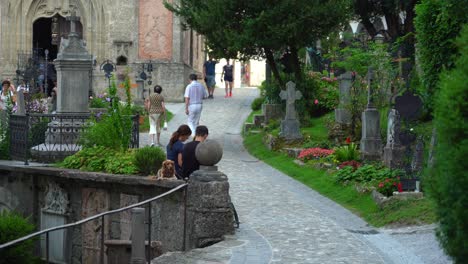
point(175, 147)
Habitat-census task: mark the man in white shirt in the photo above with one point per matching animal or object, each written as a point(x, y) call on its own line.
point(194, 94)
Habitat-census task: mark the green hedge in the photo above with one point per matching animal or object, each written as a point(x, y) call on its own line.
point(438, 23)
point(14, 226)
point(449, 177)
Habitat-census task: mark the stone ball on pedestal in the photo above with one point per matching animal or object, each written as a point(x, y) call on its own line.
point(209, 152)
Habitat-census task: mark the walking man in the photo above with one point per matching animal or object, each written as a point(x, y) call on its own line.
point(194, 94)
point(209, 75)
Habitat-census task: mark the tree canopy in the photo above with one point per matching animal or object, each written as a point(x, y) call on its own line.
point(245, 29)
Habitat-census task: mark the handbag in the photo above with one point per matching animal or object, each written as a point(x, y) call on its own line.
point(165, 123)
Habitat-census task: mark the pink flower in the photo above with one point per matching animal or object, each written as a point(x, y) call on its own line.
point(316, 101)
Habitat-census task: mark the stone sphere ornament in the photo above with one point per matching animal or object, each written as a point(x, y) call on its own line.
point(209, 152)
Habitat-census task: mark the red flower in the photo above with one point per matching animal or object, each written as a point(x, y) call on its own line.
point(381, 185)
point(399, 187)
point(316, 101)
point(348, 140)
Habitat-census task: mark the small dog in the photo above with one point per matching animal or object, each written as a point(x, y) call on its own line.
point(167, 171)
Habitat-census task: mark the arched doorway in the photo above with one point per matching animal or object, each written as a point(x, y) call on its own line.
point(47, 34)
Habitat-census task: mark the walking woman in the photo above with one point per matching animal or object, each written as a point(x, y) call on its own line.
point(157, 110)
point(175, 147)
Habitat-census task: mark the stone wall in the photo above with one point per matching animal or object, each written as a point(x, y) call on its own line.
point(53, 195)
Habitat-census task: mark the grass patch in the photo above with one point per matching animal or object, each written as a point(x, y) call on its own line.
point(398, 213)
point(250, 117)
point(317, 130)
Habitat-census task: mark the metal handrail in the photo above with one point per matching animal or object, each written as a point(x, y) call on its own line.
point(101, 215)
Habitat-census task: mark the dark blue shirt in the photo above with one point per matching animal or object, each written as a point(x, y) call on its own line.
point(210, 67)
point(173, 152)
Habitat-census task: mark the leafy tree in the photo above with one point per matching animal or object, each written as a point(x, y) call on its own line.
point(438, 23)
point(245, 29)
point(449, 178)
point(400, 29)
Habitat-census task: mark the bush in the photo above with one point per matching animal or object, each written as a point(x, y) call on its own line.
point(437, 23)
point(257, 103)
point(148, 160)
point(388, 186)
point(101, 159)
point(346, 153)
point(449, 178)
point(365, 174)
point(4, 138)
point(99, 101)
point(13, 226)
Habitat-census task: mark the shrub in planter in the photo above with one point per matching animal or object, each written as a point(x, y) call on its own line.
point(13, 226)
point(148, 160)
point(257, 103)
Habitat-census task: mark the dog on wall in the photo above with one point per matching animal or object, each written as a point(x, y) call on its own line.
point(167, 171)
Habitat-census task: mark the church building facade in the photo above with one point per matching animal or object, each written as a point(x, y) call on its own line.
point(140, 37)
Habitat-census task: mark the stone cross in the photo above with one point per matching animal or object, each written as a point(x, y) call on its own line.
point(73, 19)
point(290, 95)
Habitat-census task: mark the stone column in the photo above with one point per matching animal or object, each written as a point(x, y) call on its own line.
point(208, 201)
point(73, 65)
point(138, 236)
point(371, 143)
point(342, 115)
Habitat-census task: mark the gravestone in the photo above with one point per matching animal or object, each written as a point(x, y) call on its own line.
point(290, 125)
point(342, 115)
point(73, 65)
point(393, 151)
point(371, 143)
point(55, 213)
point(417, 162)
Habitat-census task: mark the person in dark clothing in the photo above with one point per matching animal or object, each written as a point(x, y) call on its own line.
point(175, 147)
point(191, 163)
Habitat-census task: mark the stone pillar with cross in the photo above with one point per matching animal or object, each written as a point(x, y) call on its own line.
point(290, 125)
point(371, 142)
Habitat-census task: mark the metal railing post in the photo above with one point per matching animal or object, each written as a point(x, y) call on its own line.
point(138, 236)
point(47, 247)
point(102, 239)
point(185, 218)
point(148, 250)
point(26, 151)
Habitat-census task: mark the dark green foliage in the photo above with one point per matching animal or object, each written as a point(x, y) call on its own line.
point(149, 160)
point(14, 226)
point(366, 174)
point(257, 103)
point(270, 91)
point(101, 159)
point(438, 23)
point(115, 127)
point(346, 153)
point(4, 140)
point(448, 181)
point(261, 29)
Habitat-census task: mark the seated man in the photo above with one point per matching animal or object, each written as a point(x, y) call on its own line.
point(191, 163)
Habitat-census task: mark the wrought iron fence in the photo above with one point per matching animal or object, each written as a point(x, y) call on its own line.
point(102, 229)
point(53, 137)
